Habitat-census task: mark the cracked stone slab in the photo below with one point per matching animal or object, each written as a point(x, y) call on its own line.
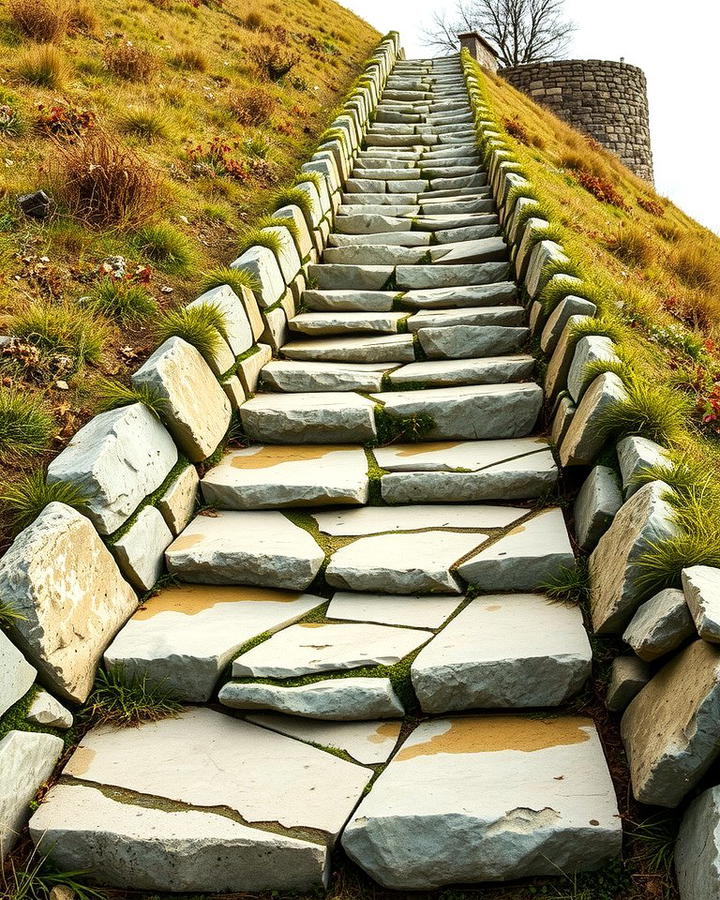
point(182, 638)
point(701, 587)
point(263, 477)
point(116, 459)
point(16, 674)
point(329, 323)
point(349, 301)
point(467, 341)
point(369, 349)
point(484, 315)
point(429, 611)
point(512, 797)
point(504, 650)
point(671, 730)
point(370, 223)
point(329, 276)
point(697, 849)
point(204, 758)
point(62, 580)
point(390, 238)
point(376, 519)
point(474, 295)
point(366, 742)
point(258, 547)
point(660, 625)
point(309, 648)
point(470, 412)
point(421, 277)
point(645, 519)
point(525, 557)
point(314, 418)
point(401, 563)
point(347, 699)
point(151, 848)
point(27, 760)
point(297, 377)
point(449, 373)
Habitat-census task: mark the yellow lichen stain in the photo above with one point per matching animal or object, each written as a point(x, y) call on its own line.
point(80, 761)
point(314, 625)
point(493, 607)
point(267, 457)
point(518, 529)
point(490, 734)
point(185, 542)
point(193, 599)
point(415, 449)
point(388, 730)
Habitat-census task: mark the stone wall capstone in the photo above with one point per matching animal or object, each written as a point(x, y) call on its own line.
point(605, 99)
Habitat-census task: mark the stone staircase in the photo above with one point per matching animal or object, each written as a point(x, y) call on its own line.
point(369, 564)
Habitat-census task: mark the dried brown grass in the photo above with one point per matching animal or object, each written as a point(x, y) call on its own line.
point(39, 20)
point(253, 107)
point(130, 62)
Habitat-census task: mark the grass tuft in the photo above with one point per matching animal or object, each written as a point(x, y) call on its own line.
point(26, 426)
point(256, 237)
point(148, 123)
point(129, 62)
point(167, 247)
point(253, 107)
point(24, 499)
point(294, 197)
point(597, 367)
point(632, 244)
point(570, 583)
point(39, 20)
point(62, 329)
point(191, 59)
point(122, 301)
point(650, 411)
point(43, 66)
point(202, 326)
point(124, 702)
point(113, 394)
point(236, 279)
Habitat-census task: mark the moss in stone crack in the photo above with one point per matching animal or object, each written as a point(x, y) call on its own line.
point(392, 428)
point(15, 719)
point(402, 325)
point(375, 474)
point(391, 283)
point(420, 355)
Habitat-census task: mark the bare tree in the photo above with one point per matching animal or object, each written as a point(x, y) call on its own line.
point(520, 31)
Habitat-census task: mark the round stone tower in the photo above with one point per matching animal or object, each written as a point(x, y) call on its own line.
point(607, 100)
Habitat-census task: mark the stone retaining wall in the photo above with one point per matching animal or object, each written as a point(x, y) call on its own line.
point(607, 100)
point(74, 577)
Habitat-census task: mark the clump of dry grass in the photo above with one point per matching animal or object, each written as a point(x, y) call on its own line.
point(632, 244)
point(42, 65)
point(601, 188)
point(191, 59)
point(83, 17)
point(253, 21)
point(130, 62)
point(669, 231)
point(104, 183)
point(696, 263)
point(253, 107)
point(273, 60)
point(582, 159)
point(39, 20)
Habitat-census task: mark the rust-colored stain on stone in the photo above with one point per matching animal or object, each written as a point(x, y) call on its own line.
point(185, 542)
point(267, 457)
point(80, 761)
point(491, 734)
point(415, 449)
point(193, 599)
point(385, 731)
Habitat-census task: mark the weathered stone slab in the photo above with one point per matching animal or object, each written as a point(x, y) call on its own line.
point(313, 647)
point(628, 676)
point(318, 418)
point(117, 459)
point(46, 711)
point(328, 323)
point(635, 454)
point(387, 609)
point(367, 742)
point(140, 550)
point(596, 505)
point(263, 477)
point(507, 314)
point(377, 519)
point(177, 504)
point(26, 762)
point(697, 849)
point(16, 674)
point(197, 412)
point(524, 558)
point(134, 845)
point(497, 811)
point(660, 625)
point(559, 363)
point(237, 326)
point(504, 650)
point(338, 276)
point(589, 349)
point(472, 295)
point(422, 277)
point(586, 436)
point(369, 349)
point(470, 412)
point(249, 367)
point(254, 548)
point(367, 223)
point(468, 341)
point(701, 587)
point(182, 638)
point(61, 579)
point(415, 563)
point(645, 519)
point(296, 376)
point(261, 263)
point(339, 300)
point(671, 730)
point(335, 699)
point(448, 373)
point(558, 318)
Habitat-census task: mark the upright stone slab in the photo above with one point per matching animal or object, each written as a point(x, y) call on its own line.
point(645, 519)
point(586, 434)
point(139, 551)
point(117, 459)
point(697, 849)
point(61, 579)
point(596, 505)
point(660, 625)
point(671, 730)
point(16, 674)
point(237, 327)
point(26, 761)
point(701, 586)
point(197, 411)
point(635, 455)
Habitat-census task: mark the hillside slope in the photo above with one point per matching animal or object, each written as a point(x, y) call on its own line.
point(195, 113)
point(655, 271)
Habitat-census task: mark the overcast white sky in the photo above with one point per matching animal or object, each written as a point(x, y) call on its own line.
point(677, 46)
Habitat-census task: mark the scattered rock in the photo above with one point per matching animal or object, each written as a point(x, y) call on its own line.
point(701, 586)
point(660, 625)
point(628, 676)
point(37, 205)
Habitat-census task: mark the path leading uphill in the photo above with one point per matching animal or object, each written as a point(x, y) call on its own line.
point(420, 728)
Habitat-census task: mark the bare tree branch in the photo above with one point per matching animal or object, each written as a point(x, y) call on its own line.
point(520, 31)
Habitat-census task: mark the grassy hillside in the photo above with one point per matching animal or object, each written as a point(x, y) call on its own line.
point(158, 129)
point(654, 272)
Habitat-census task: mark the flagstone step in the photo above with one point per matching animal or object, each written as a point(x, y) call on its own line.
point(446, 373)
point(328, 323)
point(317, 418)
point(489, 249)
point(298, 376)
point(372, 348)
